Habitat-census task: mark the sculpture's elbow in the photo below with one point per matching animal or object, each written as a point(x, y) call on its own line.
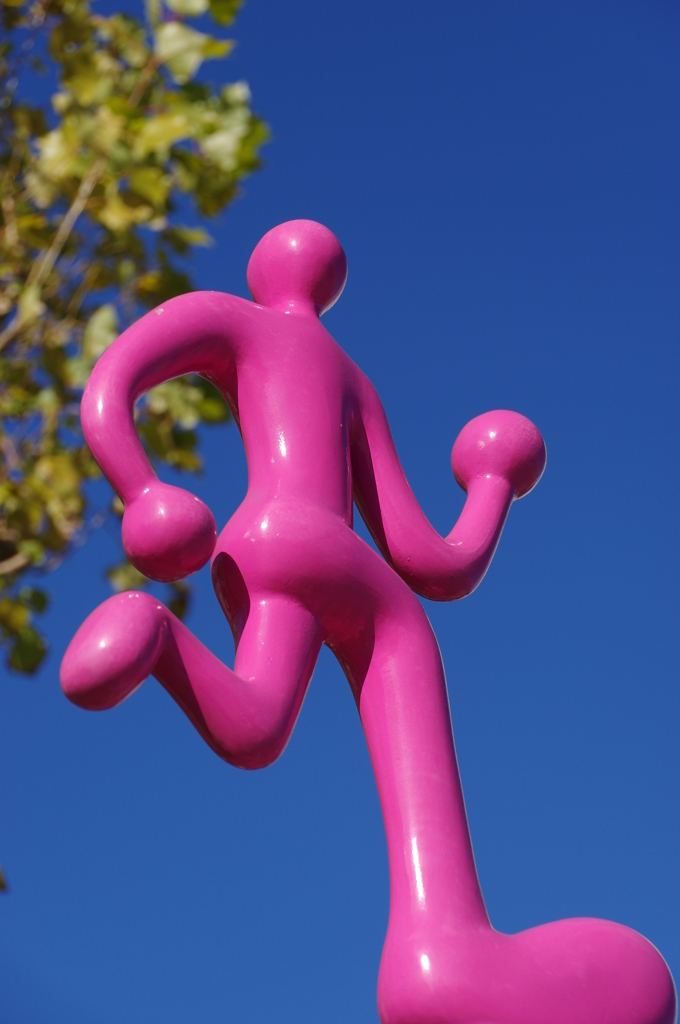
point(442, 587)
point(91, 410)
point(101, 402)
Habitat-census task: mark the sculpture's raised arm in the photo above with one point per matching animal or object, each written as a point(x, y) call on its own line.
point(497, 457)
point(167, 532)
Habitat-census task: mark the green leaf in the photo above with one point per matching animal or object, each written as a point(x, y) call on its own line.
point(152, 8)
point(178, 398)
point(119, 216)
point(183, 49)
point(30, 306)
point(56, 155)
point(217, 48)
point(125, 577)
point(14, 616)
point(212, 407)
point(180, 48)
point(190, 8)
point(34, 549)
point(101, 331)
point(214, 410)
point(182, 239)
point(108, 130)
point(160, 285)
point(224, 11)
point(27, 650)
point(180, 598)
point(158, 133)
point(151, 183)
point(37, 599)
point(90, 76)
point(77, 372)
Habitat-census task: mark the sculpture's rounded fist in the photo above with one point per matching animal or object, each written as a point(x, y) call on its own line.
point(168, 532)
point(500, 443)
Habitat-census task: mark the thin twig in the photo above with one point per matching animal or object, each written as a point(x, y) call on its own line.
point(81, 291)
point(14, 564)
point(9, 451)
point(9, 202)
point(8, 213)
point(42, 266)
point(142, 82)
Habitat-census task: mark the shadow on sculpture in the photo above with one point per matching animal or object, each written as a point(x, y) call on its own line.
point(291, 575)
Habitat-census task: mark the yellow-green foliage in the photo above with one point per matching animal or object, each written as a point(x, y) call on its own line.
point(89, 192)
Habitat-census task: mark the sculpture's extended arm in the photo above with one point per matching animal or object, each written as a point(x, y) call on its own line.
point(497, 457)
point(167, 532)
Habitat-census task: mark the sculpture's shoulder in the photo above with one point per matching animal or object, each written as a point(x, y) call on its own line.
point(231, 322)
point(362, 387)
point(207, 307)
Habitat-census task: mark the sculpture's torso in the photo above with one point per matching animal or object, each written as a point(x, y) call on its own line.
point(297, 441)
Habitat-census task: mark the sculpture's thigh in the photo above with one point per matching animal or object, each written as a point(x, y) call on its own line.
point(246, 714)
point(275, 659)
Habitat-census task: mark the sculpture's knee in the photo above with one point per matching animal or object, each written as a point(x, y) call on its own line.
point(250, 742)
point(258, 755)
point(252, 749)
point(114, 651)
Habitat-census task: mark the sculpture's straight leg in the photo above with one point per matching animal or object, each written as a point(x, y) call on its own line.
point(405, 714)
point(443, 963)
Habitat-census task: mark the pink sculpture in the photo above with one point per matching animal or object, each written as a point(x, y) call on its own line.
point(290, 575)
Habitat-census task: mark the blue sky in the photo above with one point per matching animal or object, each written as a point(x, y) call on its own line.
point(504, 179)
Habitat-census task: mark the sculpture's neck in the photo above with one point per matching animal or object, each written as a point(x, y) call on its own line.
point(433, 879)
point(296, 307)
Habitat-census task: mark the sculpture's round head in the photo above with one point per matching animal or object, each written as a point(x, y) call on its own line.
point(297, 265)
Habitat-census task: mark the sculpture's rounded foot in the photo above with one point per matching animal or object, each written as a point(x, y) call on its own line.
point(114, 650)
point(580, 971)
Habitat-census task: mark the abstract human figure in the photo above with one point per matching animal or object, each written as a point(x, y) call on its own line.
point(290, 575)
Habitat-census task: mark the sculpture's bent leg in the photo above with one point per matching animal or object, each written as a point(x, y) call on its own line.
point(248, 715)
point(442, 962)
point(245, 715)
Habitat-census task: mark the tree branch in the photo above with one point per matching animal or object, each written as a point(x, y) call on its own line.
point(43, 265)
point(14, 564)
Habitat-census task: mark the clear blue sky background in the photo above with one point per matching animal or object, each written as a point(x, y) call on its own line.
point(505, 180)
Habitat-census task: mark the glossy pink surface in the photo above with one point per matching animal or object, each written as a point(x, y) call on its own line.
point(290, 575)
